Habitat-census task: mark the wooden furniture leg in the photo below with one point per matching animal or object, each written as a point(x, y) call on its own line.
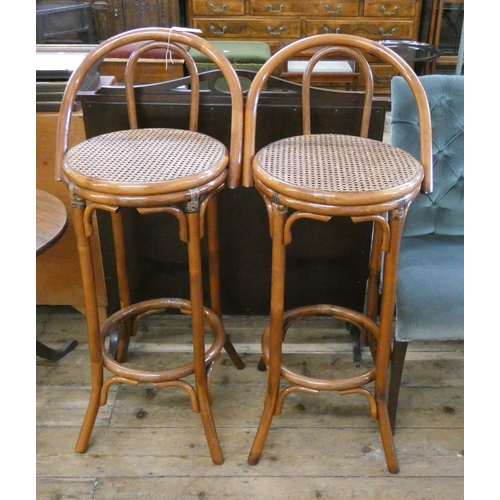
point(123, 285)
point(214, 275)
point(50, 354)
point(93, 324)
point(202, 383)
point(277, 221)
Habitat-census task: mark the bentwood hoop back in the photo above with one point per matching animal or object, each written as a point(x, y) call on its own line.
point(318, 176)
point(153, 170)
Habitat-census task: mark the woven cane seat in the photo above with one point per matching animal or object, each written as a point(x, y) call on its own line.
point(330, 166)
point(145, 160)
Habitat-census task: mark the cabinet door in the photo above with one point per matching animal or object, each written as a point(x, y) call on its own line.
point(116, 16)
point(130, 14)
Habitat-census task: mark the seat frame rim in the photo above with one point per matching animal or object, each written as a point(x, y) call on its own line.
point(149, 199)
point(330, 199)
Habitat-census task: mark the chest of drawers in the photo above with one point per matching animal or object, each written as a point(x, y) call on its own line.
point(282, 21)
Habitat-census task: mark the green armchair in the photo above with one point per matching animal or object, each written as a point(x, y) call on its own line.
point(430, 287)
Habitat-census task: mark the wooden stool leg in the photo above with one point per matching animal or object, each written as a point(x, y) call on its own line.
point(123, 285)
point(387, 437)
point(373, 288)
point(397, 363)
point(276, 332)
point(214, 274)
point(388, 299)
point(93, 325)
point(202, 391)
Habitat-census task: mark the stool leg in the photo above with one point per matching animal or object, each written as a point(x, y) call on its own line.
point(276, 332)
point(93, 326)
point(123, 285)
point(373, 289)
point(388, 299)
point(214, 275)
point(197, 316)
point(397, 364)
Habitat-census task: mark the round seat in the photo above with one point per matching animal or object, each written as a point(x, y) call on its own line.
point(338, 170)
point(145, 162)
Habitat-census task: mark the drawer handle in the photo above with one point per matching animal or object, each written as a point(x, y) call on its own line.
point(218, 31)
point(332, 12)
point(275, 33)
point(389, 33)
point(326, 29)
point(274, 11)
point(383, 9)
point(383, 81)
point(217, 11)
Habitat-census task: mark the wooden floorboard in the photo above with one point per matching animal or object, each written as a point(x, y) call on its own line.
point(148, 444)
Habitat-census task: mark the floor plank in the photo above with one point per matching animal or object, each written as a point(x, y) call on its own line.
point(148, 444)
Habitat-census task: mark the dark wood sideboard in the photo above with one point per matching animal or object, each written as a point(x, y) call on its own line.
point(282, 21)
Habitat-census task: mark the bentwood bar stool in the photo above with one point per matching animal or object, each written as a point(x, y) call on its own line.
point(175, 171)
point(318, 176)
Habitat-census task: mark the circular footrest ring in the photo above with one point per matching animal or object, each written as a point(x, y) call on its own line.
point(156, 306)
point(342, 313)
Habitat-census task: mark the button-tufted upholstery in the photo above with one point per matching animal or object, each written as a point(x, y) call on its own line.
point(430, 287)
point(442, 211)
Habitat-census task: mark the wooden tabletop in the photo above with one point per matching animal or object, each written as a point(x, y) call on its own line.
point(51, 220)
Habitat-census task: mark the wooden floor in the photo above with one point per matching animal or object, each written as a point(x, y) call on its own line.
point(148, 444)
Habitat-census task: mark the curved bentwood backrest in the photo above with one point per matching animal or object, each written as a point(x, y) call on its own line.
point(179, 42)
point(349, 45)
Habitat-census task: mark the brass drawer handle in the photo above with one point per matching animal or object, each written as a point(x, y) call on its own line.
point(274, 11)
point(383, 9)
point(383, 81)
point(326, 29)
point(218, 31)
point(332, 12)
point(217, 11)
point(389, 33)
point(275, 33)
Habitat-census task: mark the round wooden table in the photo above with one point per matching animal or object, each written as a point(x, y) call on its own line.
point(51, 220)
point(51, 223)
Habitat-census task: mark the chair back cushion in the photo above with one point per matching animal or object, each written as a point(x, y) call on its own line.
point(442, 211)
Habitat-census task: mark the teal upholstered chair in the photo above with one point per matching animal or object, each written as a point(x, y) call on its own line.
point(430, 288)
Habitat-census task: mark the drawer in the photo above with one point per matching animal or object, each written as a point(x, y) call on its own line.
point(379, 8)
point(368, 29)
point(234, 28)
point(218, 7)
point(336, 8)
point(382, 77)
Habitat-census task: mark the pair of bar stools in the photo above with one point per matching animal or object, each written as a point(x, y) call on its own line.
point(180, 172)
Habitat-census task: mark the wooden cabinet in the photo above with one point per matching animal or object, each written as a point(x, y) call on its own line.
point(282, 21)
point(445, 32)
point(115, 16)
